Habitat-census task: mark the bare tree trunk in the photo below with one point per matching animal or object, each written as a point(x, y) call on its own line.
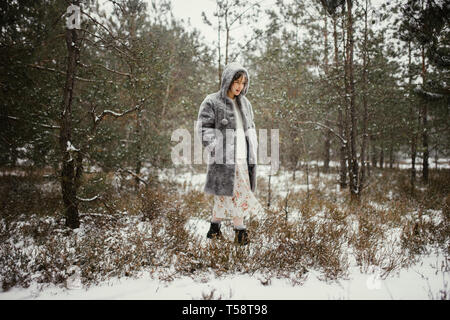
point(391, 152)
point(328, 134)
point(219, 51)
point(134, 101)
point(368, 156)
point(413, 159)
point(345, 157)
point(354, 176)
point(413, 126)
point(318, 169)
point(424, 115)
point(343, 165)
point(436, 156)
point(138, 161)
point(169, 82)
point(295, 169)
point(269, 192)
point(374, 152)
point(307, 179)
point(327, 155)
point(68, 174)
point(365, 111)
point(227, 36)
point(382, 156)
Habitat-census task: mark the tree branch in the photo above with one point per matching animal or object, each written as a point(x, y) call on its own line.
point(106, 68)
point(39, 67)
point(107, 43)
point(47, 126)
point(326, 127)
point(107, 30)
point(114, 114)
point(88, 200)
point(134, 175)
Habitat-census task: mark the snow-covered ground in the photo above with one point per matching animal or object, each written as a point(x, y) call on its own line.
point(428, 279)
point(422, 281)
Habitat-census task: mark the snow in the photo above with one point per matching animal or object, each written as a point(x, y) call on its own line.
point(70, 147)
point(419, 282)
point(423, 280)
point(88, 199)
point(112, 113)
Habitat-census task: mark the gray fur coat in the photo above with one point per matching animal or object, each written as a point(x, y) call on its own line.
point(216, 128)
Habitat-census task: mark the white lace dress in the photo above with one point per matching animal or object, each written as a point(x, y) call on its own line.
point(243, 202)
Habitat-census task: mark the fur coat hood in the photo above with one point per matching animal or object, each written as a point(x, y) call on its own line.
point(216, 128)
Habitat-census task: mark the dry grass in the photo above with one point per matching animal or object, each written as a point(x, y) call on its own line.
point(146, 230)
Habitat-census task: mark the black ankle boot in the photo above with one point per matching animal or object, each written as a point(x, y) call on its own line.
point(214, 231)
point(241, 237)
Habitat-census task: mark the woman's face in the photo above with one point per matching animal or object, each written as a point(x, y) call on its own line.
point(238, 85)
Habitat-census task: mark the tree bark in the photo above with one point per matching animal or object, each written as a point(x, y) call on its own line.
point(307, 179)
point(382, 156)
point(364, 96)
point(351, 109)
point(68, 174)
point(219, 64)
point(368, 156)
point(227, 37)
point(413, 141)
point(138, 161)
point(269, 192)
point(391, 153)
point(365, 110)
point(328, 134)
point(134, 101)
point(342, 145)
point(354, 177)
point(424, 115)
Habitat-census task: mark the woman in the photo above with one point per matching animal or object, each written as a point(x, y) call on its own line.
point(231, 175)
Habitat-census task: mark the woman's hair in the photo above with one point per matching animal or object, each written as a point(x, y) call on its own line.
point(237, 75)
